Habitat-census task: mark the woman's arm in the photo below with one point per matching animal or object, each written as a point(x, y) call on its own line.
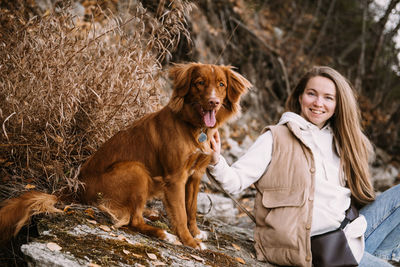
point(247, 169)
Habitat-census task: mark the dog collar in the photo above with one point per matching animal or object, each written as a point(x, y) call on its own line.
point(202, 137)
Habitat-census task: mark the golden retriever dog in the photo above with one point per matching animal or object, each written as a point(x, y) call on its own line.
point(163, 154)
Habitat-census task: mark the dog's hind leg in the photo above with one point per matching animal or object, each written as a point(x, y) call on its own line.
point(138, 224)
point(125, 189)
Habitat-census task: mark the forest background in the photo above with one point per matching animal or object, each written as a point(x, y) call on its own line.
point(72, 73)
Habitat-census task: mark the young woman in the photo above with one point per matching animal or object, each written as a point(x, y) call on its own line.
point(308, 169)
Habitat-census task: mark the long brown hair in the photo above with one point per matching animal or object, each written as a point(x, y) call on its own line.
point(355, 149)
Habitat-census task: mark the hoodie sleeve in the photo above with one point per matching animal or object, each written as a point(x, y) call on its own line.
point(247, 169)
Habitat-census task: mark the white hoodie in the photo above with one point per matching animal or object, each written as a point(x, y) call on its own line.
point(331, 197)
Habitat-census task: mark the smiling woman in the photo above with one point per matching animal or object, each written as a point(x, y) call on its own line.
point(318, 101)
point(312, 168)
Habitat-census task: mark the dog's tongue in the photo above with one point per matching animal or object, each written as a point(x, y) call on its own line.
point(209, 118)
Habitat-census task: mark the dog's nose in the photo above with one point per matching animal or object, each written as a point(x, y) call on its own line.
point(213, 102)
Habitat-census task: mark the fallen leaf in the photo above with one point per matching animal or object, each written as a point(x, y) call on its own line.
point(139, 265)
point(130, 242)
point(91, 221)
point(235, 246)
point(125, 251)
point(90, 212)
point(183, 257)
point(105, 228)
point(137, 255)
point(122, 238)
point(152, 256)
point(240, 260)
point(30, 186)
point(8, 164)
point(46, 13)
point(53, 246)
point(158, 263)
point(112, 234)
point(67, 208)
point(59, 139)
point(93, 265)
point(197, 258)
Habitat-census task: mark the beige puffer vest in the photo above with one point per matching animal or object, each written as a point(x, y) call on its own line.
point(284, 203)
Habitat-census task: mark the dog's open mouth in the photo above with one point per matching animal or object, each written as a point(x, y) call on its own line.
point(209, 117)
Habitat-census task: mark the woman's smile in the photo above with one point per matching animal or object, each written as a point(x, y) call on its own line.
point(318, 101)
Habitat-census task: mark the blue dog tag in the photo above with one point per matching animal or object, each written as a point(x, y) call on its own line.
point(202, 137)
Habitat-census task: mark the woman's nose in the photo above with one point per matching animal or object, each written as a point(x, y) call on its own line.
point(318, 102)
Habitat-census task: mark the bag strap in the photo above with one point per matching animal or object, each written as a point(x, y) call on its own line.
point(351, 214)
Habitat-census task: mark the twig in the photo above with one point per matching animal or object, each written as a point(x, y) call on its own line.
point(4, 124)
point(13, 252)
point(270, 48)
point(227, 42)
point(285, 75)
point(98, 37)
point(274, 53)
point(216, 236)
point(4, 145)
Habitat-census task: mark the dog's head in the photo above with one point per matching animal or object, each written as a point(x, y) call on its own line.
point(206, 95)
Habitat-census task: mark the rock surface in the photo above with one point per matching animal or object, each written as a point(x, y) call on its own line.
point(84, 236)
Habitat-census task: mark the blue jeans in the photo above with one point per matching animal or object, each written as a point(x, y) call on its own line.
point(382, 237)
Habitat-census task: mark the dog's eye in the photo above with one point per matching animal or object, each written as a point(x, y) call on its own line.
point(221, 84)
point(200, 82)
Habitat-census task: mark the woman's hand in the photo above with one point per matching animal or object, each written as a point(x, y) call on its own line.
point(216, 148)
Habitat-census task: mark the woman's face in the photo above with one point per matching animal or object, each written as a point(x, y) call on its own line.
point(318, 100)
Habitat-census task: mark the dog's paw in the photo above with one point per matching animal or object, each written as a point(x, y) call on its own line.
point(173, 239)
point(201, 246)
point(203, 235)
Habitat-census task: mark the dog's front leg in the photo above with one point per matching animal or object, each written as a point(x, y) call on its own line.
point(174, 201)
point(192, 189)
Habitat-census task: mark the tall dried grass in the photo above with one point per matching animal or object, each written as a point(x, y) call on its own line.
point(67, 86)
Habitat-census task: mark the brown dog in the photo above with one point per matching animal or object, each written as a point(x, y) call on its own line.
point(163, 154)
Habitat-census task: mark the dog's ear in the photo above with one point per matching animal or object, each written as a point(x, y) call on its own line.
point(181, 75)
point(236, 87)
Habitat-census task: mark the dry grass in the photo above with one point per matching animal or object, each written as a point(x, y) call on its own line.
point(66, 86)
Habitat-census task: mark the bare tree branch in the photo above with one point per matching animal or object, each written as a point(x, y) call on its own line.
point(310, 27)
point(361, 61)
point(381, 36)
point(322, 32)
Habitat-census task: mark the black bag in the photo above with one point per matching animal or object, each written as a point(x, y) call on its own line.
point(331, 249)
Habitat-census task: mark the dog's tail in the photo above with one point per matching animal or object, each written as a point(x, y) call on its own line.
point(16, 212)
